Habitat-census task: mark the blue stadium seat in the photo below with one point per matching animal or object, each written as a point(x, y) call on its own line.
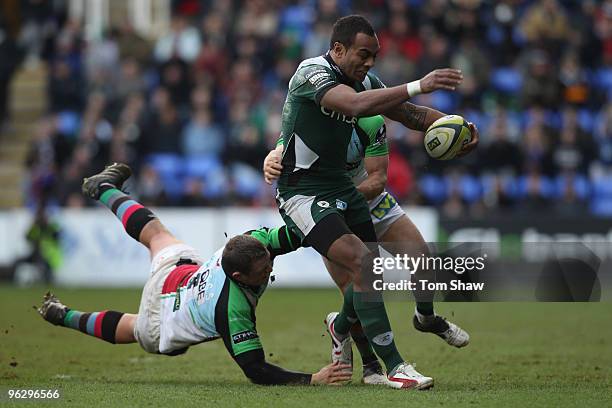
point(546, 189)
point(167, 165)
point(209, 169)
point(507, 80)
point(471, 189)
point(580, 184)
point(433, 188)
point(601, 201)
point(201, 165)
point(247, 181)
point(603, 79)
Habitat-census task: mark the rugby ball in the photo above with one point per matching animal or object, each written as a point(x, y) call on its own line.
point(446, 136)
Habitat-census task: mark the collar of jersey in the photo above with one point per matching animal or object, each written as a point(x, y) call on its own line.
point(341, 77)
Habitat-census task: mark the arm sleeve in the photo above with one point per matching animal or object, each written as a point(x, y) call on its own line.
point(376, 131)
point(255, 367)
point(312, 82)
point(279, 240)
point(235, 323)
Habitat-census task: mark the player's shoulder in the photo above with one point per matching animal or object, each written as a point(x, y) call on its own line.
point(314, 70)
point(372, 81)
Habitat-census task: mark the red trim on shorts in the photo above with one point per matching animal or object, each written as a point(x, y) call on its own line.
point(179, 276)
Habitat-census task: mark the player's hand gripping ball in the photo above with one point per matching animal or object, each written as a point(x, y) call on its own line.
point(447, 136)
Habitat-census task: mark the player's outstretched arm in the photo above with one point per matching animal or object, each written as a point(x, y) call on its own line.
point(414, 116)
point(261, 372)
point(346, 100)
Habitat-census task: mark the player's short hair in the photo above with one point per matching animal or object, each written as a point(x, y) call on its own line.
point(240, 252)
point(346, 28)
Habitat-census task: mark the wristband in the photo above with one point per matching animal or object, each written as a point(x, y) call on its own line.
point(413, 88)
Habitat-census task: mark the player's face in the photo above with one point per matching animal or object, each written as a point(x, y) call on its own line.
point(360, 57)
point(260, 272)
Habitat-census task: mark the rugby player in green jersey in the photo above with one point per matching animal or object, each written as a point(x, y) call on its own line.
point(315, 194)
point(367, 161)
point(188, 299)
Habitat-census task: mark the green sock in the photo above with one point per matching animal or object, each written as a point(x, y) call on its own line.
point(347, 316)
point(363, 345)
point(370, 309)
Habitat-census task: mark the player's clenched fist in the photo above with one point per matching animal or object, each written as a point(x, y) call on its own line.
point(272, 167)
point(445, 78)
point(332, 374)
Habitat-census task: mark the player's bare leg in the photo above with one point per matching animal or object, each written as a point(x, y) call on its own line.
point(142, 225)
point(403, 237)
point(362, 304)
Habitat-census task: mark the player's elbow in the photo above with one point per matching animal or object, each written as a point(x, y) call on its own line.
point(255, 373)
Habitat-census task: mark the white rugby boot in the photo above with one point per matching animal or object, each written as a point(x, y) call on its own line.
point(404, 376)
point(342, 350)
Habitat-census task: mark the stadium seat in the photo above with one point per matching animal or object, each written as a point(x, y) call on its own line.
point(580, 185)
point(167, 165)
point(247, 181)
point(470, 187)
point(201, 165)
point(433, 188)
point(209, 169)
point(546, 189)
point(507, 80)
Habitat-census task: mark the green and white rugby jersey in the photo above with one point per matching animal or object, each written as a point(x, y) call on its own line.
point(201, 303)
point(316, 139)
point(368, 139)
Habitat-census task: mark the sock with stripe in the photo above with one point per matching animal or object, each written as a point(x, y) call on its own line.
point(133, 215)
point(102, 325)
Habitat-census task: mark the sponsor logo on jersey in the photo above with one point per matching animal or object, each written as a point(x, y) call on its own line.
point(383, 339)
point(323, 204)
point(318, 78)
point(341, 205)
point(339, 116)
point(244, 336)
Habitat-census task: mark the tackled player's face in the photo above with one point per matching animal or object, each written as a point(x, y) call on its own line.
point(359, 58)
point(260, 272)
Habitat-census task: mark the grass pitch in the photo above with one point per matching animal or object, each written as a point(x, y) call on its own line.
point(521, 354)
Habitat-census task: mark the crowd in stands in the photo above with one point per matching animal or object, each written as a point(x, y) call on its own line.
point(195, 111)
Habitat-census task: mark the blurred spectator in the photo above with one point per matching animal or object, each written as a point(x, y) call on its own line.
point(195, 112)
point(65, 88)
point(163, 129)
point(10, 57)
point(201, 136)
point(183, 41)
point(545, 25)
point(45, 249)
